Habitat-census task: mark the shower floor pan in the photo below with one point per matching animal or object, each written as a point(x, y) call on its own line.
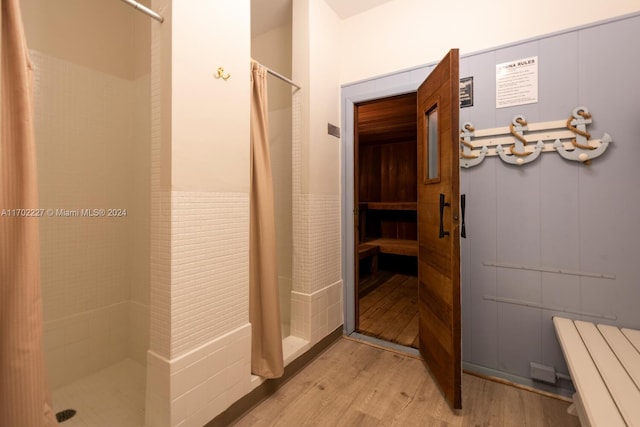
point(114, 396)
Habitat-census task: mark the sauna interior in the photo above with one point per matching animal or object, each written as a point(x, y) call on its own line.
point(386, 220)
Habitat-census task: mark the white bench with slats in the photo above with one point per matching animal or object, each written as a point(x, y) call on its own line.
point(604, 362)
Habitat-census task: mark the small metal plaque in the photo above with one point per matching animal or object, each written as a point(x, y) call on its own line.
point(333, 130)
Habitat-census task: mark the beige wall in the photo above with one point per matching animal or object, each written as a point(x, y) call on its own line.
point(98, 34)
point(210, 117)
point(316, 37)
point(273, 49)
point(405, 33)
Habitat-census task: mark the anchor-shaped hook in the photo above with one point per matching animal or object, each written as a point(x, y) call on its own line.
point(517, 154)
point(583, 152)
point(467, 157)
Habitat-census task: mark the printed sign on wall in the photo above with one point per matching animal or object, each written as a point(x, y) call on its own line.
point(466, 92)
point(517, 82)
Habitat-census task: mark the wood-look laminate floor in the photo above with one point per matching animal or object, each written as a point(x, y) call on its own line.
point(390, 310)
point(356, 384)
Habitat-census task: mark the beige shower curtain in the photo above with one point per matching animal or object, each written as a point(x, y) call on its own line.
point(264, 300)
point(24, 397)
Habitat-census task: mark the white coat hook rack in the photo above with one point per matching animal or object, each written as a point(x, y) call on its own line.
point(518, 155)
point(513, 144)
point(469, 157)
point(582, 151)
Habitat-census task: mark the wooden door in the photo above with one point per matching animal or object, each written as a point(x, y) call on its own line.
point(438, 228)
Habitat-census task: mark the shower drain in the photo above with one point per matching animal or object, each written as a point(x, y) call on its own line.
point(65, 415)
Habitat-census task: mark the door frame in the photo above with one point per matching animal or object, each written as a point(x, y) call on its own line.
point(399, 83)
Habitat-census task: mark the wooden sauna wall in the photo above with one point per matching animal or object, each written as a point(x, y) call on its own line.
point(387, 168)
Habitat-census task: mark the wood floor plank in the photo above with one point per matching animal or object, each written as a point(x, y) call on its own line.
point(409, 335)
point(383, 318)
point(389, 312)
point(407, 309)
point(355, 384)
point(380, 297)
point(371, 282)
point(337, 397)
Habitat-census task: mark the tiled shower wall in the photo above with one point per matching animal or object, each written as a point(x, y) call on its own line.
point(316, 298)
point(140, 201)
point(207, 327)
point(91, 142)
point(200, 336)
point(280, 150)
point(209, 273)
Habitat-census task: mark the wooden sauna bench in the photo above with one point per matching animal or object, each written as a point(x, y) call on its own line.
point(371, 248)
point(391, 246)
point(604, 362)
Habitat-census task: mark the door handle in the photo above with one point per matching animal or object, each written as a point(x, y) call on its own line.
point(463, 230)
point(442, 205)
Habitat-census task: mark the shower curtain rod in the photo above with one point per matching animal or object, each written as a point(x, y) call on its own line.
point(281, 77)
point(144, 9)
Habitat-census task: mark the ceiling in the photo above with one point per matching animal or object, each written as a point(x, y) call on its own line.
point(267, 15)
point(387, 120)
point(347, 8)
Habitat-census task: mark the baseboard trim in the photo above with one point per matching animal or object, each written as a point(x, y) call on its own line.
point(518, 382)
point(238, 409)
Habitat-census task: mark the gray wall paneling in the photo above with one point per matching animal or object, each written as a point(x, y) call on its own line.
point(518, 239)
point(481, 224)
point(609, 197)
point(559, 228)
point(551, 213)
